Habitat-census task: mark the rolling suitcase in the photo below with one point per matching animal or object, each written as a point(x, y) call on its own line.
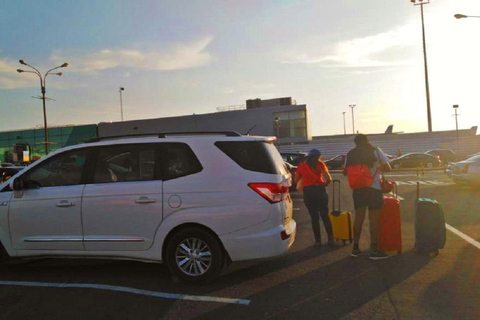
point(342, 223)
point(430, 231)
point(390, 224)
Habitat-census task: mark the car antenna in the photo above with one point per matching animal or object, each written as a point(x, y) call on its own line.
point(250, 129)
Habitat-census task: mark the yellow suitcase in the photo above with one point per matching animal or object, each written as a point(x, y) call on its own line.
point(342, 222)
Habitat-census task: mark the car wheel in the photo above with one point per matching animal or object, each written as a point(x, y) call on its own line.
point(4, 257)
point(194, 255)
point(396, 165)
point(429, 165)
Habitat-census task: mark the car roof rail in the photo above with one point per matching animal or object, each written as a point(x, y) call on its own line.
point(167, 134)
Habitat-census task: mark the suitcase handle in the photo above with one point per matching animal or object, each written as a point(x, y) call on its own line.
point(335, 211)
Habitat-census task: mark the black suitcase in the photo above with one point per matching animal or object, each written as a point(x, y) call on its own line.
point(430, 231)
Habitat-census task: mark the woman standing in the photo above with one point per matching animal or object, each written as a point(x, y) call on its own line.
point(315, 177)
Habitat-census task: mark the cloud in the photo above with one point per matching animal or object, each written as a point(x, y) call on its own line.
point(360, 52)
point(177, 57)
point(10, 79)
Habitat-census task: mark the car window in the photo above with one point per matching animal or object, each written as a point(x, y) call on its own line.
point(179, 161)
point(123, 163)
point(61, 170)
point(254, 155)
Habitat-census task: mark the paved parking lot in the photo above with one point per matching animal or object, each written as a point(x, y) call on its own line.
point(306, 283)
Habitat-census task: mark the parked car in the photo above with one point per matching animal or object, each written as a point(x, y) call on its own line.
point(292, 169)
point(294, 158)
point(7, 172)
point(466, 171)
point(6, 165)
point(193, 201)
point(445, 155)
point(336, 163)
point(415, 160)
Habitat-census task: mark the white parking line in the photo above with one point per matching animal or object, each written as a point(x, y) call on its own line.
point(127, 290)
point(463, 236)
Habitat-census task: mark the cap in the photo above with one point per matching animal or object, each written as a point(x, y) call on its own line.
point(314, 152)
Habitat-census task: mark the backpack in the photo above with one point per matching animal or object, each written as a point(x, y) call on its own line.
point(359, 176)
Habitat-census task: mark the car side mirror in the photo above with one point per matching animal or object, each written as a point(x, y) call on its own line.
point(17, 184)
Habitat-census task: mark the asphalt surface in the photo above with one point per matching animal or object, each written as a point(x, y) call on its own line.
point(306, 283)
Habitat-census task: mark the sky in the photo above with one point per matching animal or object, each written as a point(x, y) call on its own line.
point(179, 57)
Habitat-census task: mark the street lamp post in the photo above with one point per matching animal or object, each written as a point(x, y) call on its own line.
point(455, 106)
point(43, 89)
point(427, 89)
point(462, 16)
point(344, 128)
point(353, 117)
point(277, 120)
point(121, 105)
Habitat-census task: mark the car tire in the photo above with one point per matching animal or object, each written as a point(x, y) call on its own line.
point(4, 257)
point(195, 255)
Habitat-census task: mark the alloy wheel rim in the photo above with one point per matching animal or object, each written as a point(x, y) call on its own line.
point(193, 257)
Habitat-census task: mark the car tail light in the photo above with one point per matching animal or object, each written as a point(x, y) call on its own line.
point(272, 192)
point(465, 168)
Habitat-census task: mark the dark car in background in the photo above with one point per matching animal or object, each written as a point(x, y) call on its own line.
point(6, 165)
point(294, 158)
point(292, 169)
point(7, 172)
point(445, 155)
point(415, 160)
point(336, 163)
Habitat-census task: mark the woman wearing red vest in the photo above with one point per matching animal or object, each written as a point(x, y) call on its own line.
point(315, 177)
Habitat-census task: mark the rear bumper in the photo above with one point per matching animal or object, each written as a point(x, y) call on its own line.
point(259, 242)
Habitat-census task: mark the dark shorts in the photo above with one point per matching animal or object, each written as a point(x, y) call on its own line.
point(368, 197)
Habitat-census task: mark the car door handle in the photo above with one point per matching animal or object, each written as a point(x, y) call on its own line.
point(143, 200)
point(65, 203)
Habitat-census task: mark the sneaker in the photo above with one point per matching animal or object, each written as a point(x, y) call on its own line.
point(376, 254)
point(355, 253)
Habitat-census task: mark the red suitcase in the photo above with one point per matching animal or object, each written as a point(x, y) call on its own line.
point(390, 224)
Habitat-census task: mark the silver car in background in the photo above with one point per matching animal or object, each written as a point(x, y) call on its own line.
point(466, 171)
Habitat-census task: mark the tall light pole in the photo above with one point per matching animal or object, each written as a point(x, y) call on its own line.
point(461, 16)
point(427, 89)
point(277, 120)
point(344, 128)
point(455, 106)
point(121, 104)
point(353, 117)
point(43, 88)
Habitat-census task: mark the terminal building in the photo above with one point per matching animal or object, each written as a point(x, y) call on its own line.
point(280, 117)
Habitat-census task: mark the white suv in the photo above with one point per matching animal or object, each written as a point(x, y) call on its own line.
point(194, 201)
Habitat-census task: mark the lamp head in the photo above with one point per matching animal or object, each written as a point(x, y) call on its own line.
point(20, 70)
point(122, 88)
point(64, 65)
point(22, 62)
point(460, 16)
point(59, 74)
